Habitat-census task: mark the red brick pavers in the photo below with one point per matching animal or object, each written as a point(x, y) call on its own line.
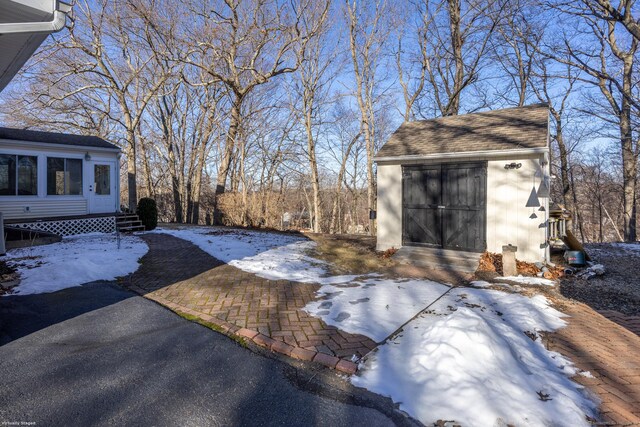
point(631, 323)
point(611, 353)
point(184, 278)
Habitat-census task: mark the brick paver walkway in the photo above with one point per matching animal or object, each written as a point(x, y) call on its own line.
point(181, 276)
point(631, 323)
point(611, 353)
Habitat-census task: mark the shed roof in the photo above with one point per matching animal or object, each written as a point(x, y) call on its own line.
point(506, 129)
point(55, 138)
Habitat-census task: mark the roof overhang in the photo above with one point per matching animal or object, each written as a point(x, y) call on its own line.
point(45, 145)
point(24, 25)
point(488, 154)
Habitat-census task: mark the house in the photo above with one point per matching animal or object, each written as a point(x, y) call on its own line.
point(64, 184)
point(61, 183)
point(468, 183)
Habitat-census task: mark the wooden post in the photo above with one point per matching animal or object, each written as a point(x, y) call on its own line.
point(509, 266)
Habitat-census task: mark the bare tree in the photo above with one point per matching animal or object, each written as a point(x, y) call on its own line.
point(312, 89)
point(367, 34)
point(244, 44)
point(516, 48)
point(183, 123)
point(558, 107)
point(412, 59)
point(608, 61)
point(605, 10)
point(128, 75)
point(460, 41)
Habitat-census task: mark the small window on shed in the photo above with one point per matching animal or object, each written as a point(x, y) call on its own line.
point(64, 176)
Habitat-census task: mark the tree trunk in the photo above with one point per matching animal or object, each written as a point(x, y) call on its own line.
point(148, 178)
point(177, 201)
point(245, 190)
point(629, 175)
point(567, 198)
point(197, 182)
point(629, 158)
point(131, 174)
point(335, 212)
point(189, 216)
point(315, 179)
point(453, 106)
point(223, 169)
point(578, 216)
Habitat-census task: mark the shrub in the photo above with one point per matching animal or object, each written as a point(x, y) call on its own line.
point(148, 213)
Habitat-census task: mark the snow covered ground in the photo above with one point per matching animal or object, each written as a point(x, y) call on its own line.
point(228, 244)
point(74, 261)
point(474, 356)
point(374, 307)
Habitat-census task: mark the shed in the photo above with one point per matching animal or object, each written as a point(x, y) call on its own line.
point(468, 183)
point(53, 178)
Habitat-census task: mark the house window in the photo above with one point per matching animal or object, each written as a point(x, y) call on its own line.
point(18, 175)
point(64, 176)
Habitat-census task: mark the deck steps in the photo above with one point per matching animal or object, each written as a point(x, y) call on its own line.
point(439, 259)
point(128, 223)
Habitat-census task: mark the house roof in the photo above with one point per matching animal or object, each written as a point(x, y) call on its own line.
point(55, 138)
point(497, 130)
point(24, 25)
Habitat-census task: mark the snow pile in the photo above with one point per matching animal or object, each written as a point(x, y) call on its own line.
point(291, 262)
point(374, 307)
point(475, 357)
point(526, 280)
point(74, 261)
point(230, 244)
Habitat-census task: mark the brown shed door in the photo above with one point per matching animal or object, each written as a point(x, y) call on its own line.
point(445, 206)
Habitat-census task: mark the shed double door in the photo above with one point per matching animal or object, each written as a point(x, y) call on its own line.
point(445, 206)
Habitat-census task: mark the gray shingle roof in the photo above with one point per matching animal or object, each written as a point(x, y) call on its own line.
point(55, 138)
point(510, 128)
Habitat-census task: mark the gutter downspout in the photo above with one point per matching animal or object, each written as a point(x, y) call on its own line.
point(118, 157)
point(56, 24)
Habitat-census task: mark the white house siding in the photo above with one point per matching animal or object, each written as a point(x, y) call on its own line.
point(42, 205)
point(508, 219)
point(41, 208)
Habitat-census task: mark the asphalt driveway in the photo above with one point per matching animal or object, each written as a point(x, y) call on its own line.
point(99, 355)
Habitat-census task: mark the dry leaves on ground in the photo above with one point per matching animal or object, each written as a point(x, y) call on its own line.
point(492, 262)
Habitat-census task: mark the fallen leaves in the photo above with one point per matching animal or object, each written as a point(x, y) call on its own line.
point(492, 262)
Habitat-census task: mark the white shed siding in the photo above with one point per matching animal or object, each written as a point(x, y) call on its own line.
point(389, 207)
point(508, 220)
